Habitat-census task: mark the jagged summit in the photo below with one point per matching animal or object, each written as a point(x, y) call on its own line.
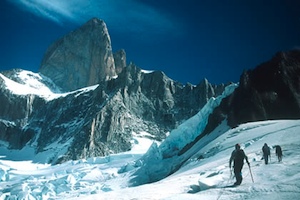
point(81, 58)
point(96, 26)
point(95, 21)
point(98, 120)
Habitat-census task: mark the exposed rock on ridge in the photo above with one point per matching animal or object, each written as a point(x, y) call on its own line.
point(270, 91)
point(120, 60)
point(102, 121)
point(81, 58)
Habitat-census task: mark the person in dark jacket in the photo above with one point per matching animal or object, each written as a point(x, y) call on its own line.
point(238, 156)
point(266, 153)
point(278, 152)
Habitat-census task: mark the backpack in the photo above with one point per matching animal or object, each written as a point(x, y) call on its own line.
point(266, 150)
point(239, 156)
point(278, 150)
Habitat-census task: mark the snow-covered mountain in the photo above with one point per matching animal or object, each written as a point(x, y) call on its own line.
point(131, 129)
point(23, 82)
point(96, 120)
point(73, 112)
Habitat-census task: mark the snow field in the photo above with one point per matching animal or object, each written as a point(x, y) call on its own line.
point(199, 178)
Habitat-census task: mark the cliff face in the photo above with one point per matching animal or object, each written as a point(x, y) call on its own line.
point(101, 119)
point(270, 91)
point(81, 58)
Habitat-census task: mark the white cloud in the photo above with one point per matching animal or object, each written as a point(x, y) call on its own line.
point(128, 16)
point(56, 11)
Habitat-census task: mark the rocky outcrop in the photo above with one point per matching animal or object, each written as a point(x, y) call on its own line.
point(81, 58)
point(14, 107)
point(15, 111)
point(270, 91)
point(120, 60)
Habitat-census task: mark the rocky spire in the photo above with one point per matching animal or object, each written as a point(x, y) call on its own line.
point(81, 58)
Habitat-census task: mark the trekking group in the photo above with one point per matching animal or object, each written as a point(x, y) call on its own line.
point(267, 153)
point(238, 156)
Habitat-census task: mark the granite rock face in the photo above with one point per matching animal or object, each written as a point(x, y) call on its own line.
point(103, 120)
point(81, 58)
point(120, 60)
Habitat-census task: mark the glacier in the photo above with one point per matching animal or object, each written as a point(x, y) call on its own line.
point(201, 172)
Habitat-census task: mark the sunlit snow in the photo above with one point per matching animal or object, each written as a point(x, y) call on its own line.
point(203, 176)
point(147, 71)
point(32, 83)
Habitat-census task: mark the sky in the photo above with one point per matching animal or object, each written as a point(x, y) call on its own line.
point(187, 39)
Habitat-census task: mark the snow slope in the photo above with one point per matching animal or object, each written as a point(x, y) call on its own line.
point(100, 178)
point(36, 84)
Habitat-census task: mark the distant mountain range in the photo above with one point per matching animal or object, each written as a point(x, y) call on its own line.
point(87, 101)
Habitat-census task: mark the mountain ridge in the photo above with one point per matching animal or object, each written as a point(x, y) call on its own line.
point(101, 120)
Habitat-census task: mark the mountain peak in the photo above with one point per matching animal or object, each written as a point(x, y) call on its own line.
point(95, 23)
point(95, 20)
point(81, 58)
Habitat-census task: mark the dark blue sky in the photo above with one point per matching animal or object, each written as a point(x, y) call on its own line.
point(187, 39)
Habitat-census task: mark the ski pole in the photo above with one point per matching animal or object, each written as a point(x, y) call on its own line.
point(251, 173)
